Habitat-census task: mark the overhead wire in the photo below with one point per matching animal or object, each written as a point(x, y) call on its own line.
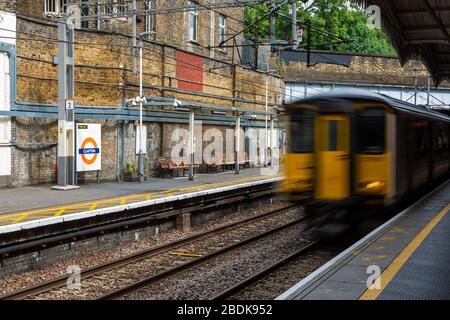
point(193, 67)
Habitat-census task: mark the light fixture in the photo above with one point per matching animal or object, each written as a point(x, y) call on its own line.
point(221, 113)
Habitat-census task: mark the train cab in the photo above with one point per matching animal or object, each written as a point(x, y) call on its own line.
point(318, 163)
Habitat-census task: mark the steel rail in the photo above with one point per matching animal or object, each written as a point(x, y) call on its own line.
point(60, 281)
point(165, 274)
point(257, 276)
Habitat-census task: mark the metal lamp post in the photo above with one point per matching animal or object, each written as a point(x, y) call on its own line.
point(141, 100)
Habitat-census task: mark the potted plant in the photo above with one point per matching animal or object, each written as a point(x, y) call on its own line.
point(130, 172)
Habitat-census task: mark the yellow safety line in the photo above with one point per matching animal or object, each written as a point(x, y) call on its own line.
point(60, 212)
point(19, 216)
point(389, 273)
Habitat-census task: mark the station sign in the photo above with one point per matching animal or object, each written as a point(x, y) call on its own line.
point(89, 147)
point(141, 133)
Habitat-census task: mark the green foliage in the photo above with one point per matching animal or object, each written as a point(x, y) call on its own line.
point(130, 168)
point(333, 17)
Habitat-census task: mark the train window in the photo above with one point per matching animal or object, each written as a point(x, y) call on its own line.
point(420, 138)
point(441, 139)
point(332, 135)
point(370, 131)
point(302, 131)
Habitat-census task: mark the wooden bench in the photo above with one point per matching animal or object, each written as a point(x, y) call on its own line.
point(167, 165)
point(231, 161)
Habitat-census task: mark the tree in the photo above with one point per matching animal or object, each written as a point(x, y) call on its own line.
point(331, 20)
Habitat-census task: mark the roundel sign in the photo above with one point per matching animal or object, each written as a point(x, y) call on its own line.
point(89, 144)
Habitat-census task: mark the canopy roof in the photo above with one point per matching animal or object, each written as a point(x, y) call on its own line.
point(419, 29)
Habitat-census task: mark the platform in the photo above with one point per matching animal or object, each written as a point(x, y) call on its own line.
point(27, 204)
point(411, 252)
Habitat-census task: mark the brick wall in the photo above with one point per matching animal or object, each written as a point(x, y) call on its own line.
point(8, 5)
point(33, 157)
point(104, 77)
point(171, 28)
point(364, 69)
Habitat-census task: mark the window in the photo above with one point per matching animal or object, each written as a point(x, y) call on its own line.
point(108, 7)
point(193, 22)
point(114, 7)
point(302, 131)
point(332, 134)
point(420, 138)
point(222, 20)
point(151, 18)
point(370, 131)
point(442, 140)
point(120, 6)
point(84, 12)
point(54, 6)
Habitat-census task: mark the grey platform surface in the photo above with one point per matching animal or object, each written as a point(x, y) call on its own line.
point(425, 275)
point(26, 198)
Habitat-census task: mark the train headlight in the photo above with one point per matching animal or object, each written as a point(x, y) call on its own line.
point(373, 186)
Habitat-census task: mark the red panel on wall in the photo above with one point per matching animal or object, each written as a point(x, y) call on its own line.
point(189, 69)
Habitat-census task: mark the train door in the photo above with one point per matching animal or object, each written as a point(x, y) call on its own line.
point(333, 157)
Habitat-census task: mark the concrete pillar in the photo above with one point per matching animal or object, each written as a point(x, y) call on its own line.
point(66, 110)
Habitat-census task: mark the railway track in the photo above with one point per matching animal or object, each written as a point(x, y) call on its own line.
point(166, 259)
point(249, 281)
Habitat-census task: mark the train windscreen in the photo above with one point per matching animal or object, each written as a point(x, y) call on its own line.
point(370, 129)
point(302, 131)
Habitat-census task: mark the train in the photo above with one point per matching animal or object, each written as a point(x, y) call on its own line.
point(353, 148)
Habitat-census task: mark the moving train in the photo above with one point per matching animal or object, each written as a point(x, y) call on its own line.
point(354, 147)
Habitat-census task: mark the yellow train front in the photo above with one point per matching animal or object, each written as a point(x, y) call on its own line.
point(357, 148)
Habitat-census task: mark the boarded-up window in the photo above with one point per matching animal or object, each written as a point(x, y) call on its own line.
point(189, 71)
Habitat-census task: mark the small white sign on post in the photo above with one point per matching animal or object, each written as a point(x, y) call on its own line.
point(89, 147)
point(69, 104)
point(143, 136)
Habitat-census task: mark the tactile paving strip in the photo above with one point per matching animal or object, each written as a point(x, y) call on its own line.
point(426, 275)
